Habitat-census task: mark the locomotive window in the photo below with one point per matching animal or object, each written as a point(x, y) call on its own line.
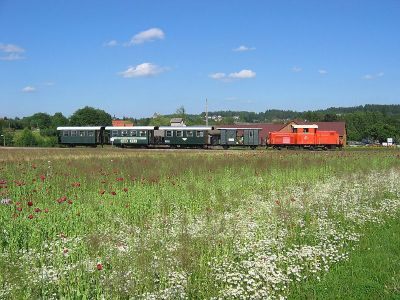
point(168, 133)
point(73, 133)
point(124, 132)
point(142, 132)
point(189, 133)
point(115, 133)
point(199, 133)
point(133, 133)
point(65, 133)
point(179, 133)
point(82, 133)
point(90, 133)
point(305, 130)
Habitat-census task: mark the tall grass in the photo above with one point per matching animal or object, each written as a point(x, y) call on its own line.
point(93, 223)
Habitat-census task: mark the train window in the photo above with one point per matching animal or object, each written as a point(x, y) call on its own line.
point(73, 133)
point(142, 132)
point(115, 133)
point(65, 133)
point(250, 133)
point(189, 133)
point(90, 133)
point(305, 130)
point(179, 133)
point(168, 133)
point(124, 133)
point(133, 133)
point(82, 133)
point(199, 133)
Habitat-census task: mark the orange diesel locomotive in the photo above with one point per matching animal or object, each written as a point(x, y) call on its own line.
point(304, 136)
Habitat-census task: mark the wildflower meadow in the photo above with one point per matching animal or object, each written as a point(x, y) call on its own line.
point(136, 224)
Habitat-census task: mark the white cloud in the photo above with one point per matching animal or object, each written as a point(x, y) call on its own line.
point(10, 48)
point(12, 52)
point(29, 89)
point(142, 70)
point(111, 43)
point(48, 83)
point(217, 75)
point(12, 56)
point(370, 77)
point(322, 72)
point(243, 74)
point(296, 69)
point(243, 48)
point(149, 35)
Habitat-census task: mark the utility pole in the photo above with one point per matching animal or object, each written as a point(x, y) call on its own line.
point(206, 112)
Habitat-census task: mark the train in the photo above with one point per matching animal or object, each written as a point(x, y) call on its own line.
point(301, 136)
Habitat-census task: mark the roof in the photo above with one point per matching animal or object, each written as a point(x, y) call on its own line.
point(80, 128)
point(237, 128)
point(176, 120)
point(130, 127)
point(305, 126)
point(185, 128)
point(122, 123)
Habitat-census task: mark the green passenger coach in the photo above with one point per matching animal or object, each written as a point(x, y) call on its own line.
point(131, 135)
point(85, 136)
point(185, 136)
point(240, 137)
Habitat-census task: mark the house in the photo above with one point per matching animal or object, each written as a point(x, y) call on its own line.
point(121, 123)
point(177, 122)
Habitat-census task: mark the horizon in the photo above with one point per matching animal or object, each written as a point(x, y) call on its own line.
point(155, 57)
point(200, 113)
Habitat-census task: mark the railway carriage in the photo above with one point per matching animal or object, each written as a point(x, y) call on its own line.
point(185, 136)
point(248, 137)
point(84, 136)
point(132, 136)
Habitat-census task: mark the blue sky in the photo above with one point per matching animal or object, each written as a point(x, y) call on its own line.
point(134, 58)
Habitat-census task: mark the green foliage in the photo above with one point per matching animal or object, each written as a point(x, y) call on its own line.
point(38, 121)
point(89, 116)
point(372, 272)
point(58, 119)
point(159, 121)
point(197, 229)
point(181, 112)
point(25, 138)
point(369, 122)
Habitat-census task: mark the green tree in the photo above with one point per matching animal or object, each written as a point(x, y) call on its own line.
point(58, 119)
point(38, 120)
point(25, 138)
point(181, 112)
point(89, 116)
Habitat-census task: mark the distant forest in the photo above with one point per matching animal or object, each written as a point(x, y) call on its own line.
point(368, 123)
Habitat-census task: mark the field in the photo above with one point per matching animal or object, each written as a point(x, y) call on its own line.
point(119, 224)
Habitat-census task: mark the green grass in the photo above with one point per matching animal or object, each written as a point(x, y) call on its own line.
point(372, 271)
point(194, 224)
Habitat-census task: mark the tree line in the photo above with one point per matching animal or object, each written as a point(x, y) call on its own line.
point(367, 123)
point(40, 129)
